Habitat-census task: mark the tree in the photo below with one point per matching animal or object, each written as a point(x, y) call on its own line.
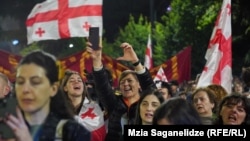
point(136, 33)
point(190, 23)
point(32, 47)
point(172, 34)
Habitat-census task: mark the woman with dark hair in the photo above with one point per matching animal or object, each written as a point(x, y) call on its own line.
point(234, 110)
point(149, 101)
point(87, 111)
point(176, 111)
point(43, 113)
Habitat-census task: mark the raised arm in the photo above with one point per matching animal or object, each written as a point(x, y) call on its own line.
point(103, 87)
point(143, 73)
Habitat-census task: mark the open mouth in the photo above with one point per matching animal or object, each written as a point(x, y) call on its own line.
point(232, 118)
point(149, 115)
point(77, 87)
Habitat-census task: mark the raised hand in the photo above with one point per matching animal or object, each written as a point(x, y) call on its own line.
point(19, 127)
point(96, 55)
point(128, 53)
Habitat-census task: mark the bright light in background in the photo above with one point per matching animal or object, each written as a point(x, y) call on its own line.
point(168, 8)
point(15, 42)
point(71, 45)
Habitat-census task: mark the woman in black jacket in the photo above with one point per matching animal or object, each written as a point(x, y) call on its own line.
point(121, 108)
point(43, 113)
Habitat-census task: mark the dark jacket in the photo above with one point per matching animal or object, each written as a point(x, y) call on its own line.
point(117, 109)
point(72, 131)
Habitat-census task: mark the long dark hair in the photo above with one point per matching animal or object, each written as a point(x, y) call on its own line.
point(234, 99)
point(58, 104)
point(64, 81)
point(178, 112)
point(147, 92)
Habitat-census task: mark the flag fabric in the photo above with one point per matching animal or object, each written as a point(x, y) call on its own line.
point(178, 67)
point(115, 68)
point(81, 61)
point(57, 19)
point(160, 75)
point(148, 63)
point(8, 63)
point(218, 68)
point(91, 116)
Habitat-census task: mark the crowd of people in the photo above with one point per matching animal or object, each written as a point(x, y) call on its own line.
point(50, 109)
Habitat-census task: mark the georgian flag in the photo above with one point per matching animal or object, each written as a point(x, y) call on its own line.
point(218, 68)
point(56, 19)
point(160, 75)
point(91, 117)
point(148, 63)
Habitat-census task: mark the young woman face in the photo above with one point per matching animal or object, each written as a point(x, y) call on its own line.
point(147, 108)
point(233, 114)
point(74, 86)
point(33, 89)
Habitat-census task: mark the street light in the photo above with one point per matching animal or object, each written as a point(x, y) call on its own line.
point(15, 42)
point(71, 45)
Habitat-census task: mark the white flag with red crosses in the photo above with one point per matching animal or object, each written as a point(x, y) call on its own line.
point(91, 117)
point(57, 19)
point(160, 75)
point(148, 63)
point(218, 69)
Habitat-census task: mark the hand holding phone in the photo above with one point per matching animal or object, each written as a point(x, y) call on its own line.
point(94, 37)
point(7, 106)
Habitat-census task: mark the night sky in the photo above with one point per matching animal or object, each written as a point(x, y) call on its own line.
point(115, 13)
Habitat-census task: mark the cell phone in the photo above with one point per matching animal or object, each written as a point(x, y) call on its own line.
point(94, 37)
point(7, 106)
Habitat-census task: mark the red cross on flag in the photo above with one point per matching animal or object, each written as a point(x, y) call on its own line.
point(160, 75)
point(148, 63)
point(57, 19)
point(218, 68)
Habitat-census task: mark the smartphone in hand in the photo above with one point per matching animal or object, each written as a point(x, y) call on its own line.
point(94, 37)
point(7, 106)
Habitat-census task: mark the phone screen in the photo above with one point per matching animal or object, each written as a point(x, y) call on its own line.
point(94, 37)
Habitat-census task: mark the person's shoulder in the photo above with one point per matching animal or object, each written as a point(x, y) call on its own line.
point(72, 123)
point(76, 130)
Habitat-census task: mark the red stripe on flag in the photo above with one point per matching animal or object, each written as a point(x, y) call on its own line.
point(90, 10)
point(148, 63)
point(218, 68)
point(63, 14)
